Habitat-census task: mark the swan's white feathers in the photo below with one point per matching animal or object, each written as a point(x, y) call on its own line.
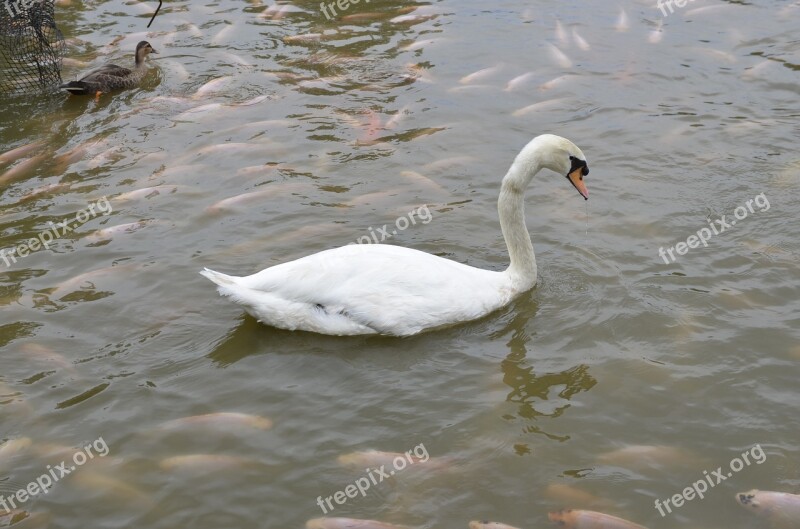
point(383, 289)
point(366, 289)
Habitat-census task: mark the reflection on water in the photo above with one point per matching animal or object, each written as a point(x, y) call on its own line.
point(264, 132)
point(529, 389)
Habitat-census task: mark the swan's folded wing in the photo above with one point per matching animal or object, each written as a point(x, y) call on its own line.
point(391, 289)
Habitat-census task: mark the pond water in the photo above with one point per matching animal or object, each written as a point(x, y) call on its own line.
point(617, 381)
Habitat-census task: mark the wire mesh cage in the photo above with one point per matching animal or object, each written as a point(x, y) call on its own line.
point(31, 46)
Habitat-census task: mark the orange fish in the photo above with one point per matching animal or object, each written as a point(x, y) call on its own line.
point(780, 508)
point(204, 462)
point(572, 519)
point(15, 154)
point(489, 525)
point(221, 421)
point(347, 523)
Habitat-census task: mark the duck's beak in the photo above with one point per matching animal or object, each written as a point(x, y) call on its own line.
point(576, 179)
point(153, 50)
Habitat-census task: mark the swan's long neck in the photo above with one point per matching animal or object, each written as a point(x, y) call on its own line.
point(511, 209)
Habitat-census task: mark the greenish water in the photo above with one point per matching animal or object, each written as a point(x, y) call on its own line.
point(112, 333)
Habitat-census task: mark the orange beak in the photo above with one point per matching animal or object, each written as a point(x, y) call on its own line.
point(576, 178)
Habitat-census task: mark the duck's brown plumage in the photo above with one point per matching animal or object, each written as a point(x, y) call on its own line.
point(112, 77)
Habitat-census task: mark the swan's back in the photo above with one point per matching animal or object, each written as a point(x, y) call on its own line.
point(368, 289)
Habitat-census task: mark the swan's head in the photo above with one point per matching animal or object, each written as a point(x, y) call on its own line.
point(562, 156)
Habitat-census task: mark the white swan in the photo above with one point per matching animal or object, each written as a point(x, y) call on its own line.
point(382, 289)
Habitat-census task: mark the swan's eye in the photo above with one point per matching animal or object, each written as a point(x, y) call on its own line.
point(577, 163)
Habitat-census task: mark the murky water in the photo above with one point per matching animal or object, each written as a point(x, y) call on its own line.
point(111, 332)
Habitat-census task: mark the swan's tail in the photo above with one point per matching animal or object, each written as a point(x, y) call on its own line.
point(230, 287)
point(259, 304)
point(221, 280)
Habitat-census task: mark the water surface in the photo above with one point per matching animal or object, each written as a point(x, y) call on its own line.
point(683, 119)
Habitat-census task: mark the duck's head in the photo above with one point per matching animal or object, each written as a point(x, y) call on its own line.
point(143, 49)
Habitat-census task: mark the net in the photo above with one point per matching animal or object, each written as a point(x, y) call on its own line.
point(31, 46)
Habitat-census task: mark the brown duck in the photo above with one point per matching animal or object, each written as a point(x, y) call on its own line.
point(112, 77)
